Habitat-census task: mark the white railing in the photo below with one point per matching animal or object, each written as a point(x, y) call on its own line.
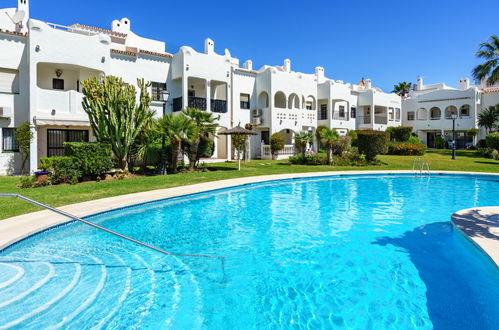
point(286, 152)
point(70, 29)
point(61, 101)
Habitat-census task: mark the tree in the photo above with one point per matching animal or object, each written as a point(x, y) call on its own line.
point(204, 124)
point(488, 118)
point(488, 51)
point(24, 136)
point(277, 141)
point(473, 132)
point(402, 88)
point(328, 138)
point(302, 139)
point(176, 128)
point(114, 115)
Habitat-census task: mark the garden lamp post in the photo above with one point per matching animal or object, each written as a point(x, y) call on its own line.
point(164, 95)
point(454, 117)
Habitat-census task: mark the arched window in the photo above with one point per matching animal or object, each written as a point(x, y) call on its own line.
point(435, 113)
point(422, 114)
point(280, 100)
point(464, 111)
point(310, 103)
point(293, 101)
point(449, 111)
point(263, 100)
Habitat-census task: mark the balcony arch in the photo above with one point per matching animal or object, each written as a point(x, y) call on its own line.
point(435, 113)
point(293, 101)
point(422, 114)
point(280, 100)
point(263, 100)
point(449, 111)
point(464, 111)
point(310, 103)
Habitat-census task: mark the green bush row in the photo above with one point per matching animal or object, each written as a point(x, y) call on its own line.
point(372, 143)
point(348, 158)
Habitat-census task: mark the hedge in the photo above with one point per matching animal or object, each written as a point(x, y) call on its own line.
point(401, 133)
point(493, 140)
point(372, 143)
point(406, 148)
point(93, 158)
point(62, 169)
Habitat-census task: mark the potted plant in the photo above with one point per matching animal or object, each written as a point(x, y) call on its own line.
point(42, 176)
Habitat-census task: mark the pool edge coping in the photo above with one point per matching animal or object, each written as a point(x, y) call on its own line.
point(15, 229)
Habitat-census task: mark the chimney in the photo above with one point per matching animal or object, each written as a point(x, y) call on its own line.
point(287, 65)
point(367, 84)
point(419, 84)
point(319, 72)
point(463, 83)
point(209, 46)
point(248, 65)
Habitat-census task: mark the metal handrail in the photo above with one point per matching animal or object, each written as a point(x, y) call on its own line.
point(222, 259)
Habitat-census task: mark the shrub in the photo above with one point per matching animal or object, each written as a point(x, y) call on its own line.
point(277, 141)
point(372, 143)
point(348, 158)
point(92, 158)
point(493, 140)
point(206, 147)
point(27, 181)
point(401, 133)
point(406, 148)
point(439, 142)
point(62, 169)
point(353, 136)
point(414, 140)
point(482, 143)
point(339, 146)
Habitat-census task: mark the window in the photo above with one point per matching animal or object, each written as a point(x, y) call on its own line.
point(397, 114)
point(191, 92)
point(353, 112)
point(9, 142)
point(57, 83)
point(57, 137)
point(156, 91)
point(323, 112)
point(410, 115)
point(341, 111)
point(244, 101)
point(265, 137)
point(9, 81)
point(391, 114)
point(308, 105)
point(465, 111)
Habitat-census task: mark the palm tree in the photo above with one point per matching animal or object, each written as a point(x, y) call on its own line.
point(204, 124)
point(302, 139)
point(328, 138)
point(402, 89)
point(488, 118)
point(489, 51)
point(176, 128)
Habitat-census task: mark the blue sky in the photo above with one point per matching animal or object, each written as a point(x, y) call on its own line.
point(387, 41)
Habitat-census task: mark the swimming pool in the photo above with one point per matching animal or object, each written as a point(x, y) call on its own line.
point(331, 252)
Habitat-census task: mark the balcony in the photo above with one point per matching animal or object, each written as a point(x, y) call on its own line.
point(218, 106)
point(380, 120)
point(196, 102)
point(62, 101)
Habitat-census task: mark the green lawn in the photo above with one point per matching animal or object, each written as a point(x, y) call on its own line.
point(67, 194)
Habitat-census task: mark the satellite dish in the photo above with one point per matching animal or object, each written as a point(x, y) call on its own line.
point(18, 16)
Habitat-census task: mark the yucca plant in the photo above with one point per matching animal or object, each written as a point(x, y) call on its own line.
point(114, 114)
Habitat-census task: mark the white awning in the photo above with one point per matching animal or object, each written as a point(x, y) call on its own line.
point(61, 122)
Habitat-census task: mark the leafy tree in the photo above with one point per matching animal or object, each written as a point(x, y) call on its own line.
point(473, 132)
point(204, 124)
point(114, 115)
point(24, 136)
point(402, 88)
point(176, 128)
point(302, 139)
point(488, 118)
point(488, 51)
point(328, 138)
point(277, 141)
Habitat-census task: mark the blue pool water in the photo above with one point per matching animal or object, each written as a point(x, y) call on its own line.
point(360, 252)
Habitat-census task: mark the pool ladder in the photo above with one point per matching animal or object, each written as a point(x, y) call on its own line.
point(418, 166)
point(222, 259)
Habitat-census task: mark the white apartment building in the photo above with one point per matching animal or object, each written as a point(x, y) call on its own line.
point(429, 109)
point(42, 66)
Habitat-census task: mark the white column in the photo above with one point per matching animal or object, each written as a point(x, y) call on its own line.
point(33, 150)
point(185, 92)
point(208, 95)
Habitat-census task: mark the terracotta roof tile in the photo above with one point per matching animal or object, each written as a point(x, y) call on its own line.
point(491, 90)
point(111, 32)
point(14, 33)
point(123, 52)
point(167, 55)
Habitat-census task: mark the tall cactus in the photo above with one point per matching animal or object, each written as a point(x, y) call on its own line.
point(115, 116)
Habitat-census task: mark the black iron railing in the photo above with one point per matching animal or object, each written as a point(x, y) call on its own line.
point(177, 104)
point(219, 106)
point(197, 102)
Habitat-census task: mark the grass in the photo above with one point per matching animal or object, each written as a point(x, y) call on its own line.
point(69, 194)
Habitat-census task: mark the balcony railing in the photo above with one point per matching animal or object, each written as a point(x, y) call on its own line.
point(336, 116)
point(218, 106)
point(196, 102)
point(380, 120)
point(286, 152)
point(177, 104)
